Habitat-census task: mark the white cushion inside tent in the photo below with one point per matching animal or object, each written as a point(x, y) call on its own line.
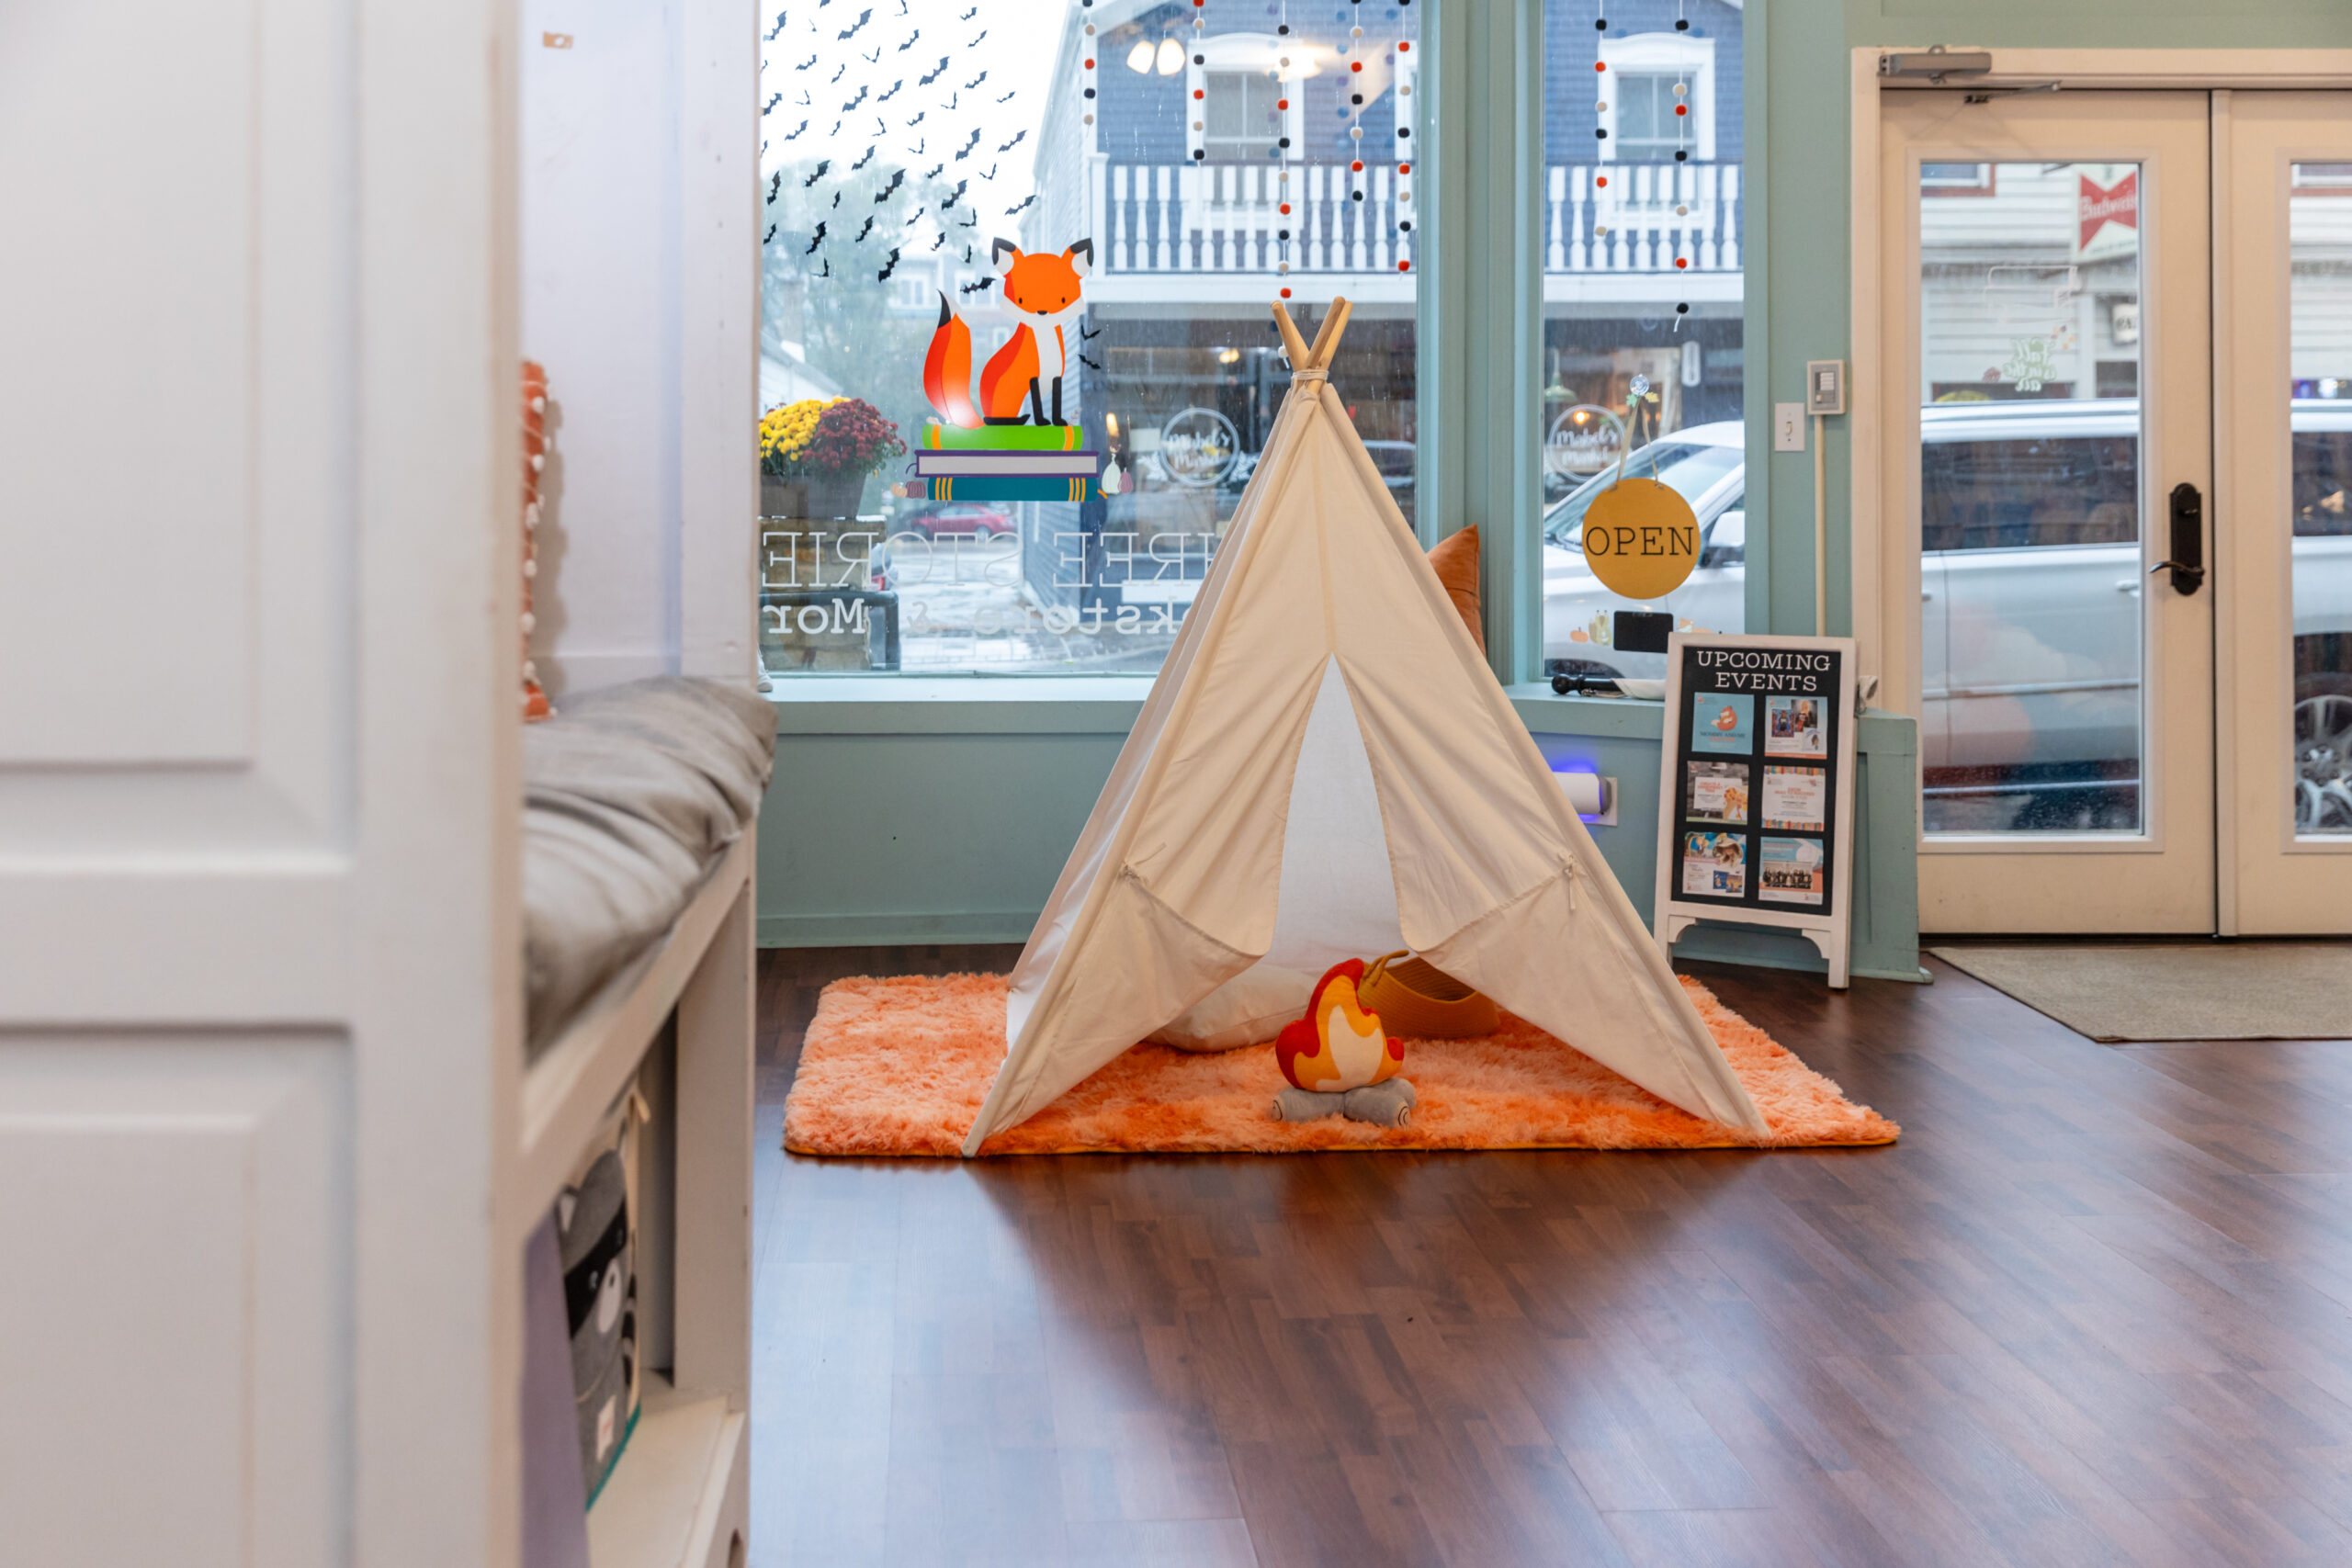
point(1338, 896)
point(1249, 1010)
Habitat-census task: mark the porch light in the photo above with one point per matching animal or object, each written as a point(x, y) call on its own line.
point(1139, 57)
point(1172, 57)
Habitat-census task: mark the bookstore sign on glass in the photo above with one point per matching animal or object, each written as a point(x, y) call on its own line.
point(1025, 248)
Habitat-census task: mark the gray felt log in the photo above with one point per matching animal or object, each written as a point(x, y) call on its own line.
point(1306, 1105)
point(1388, 1104)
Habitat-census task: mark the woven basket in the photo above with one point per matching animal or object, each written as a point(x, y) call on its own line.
point(1418, 1001)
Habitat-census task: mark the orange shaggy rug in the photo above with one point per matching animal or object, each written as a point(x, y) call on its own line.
point(898, 1066)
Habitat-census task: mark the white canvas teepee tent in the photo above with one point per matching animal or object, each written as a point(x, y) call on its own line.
point(1327, 767)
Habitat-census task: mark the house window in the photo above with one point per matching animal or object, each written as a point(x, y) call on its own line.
point(1241, 120)
point(1150, 224)
point(1646, 129)
point(1646, 77)
point(1956, 180)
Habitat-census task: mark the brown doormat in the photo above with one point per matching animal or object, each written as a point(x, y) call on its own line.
point(2220, 990)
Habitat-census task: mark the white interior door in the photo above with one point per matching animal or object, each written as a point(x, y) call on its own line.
point(2283, 522)
point(2047, 342)
point(260, 1002)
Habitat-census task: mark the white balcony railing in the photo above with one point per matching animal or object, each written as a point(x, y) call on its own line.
point(1648, 218)
point(1224, 219)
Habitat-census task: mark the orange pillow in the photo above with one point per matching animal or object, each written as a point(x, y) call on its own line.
point(1455, 560)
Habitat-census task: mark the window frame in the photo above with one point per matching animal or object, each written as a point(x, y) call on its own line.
point(1987, 183)
point(1662, 55)
point(1622, 141)
point(1262, 144)
point(1218, 54)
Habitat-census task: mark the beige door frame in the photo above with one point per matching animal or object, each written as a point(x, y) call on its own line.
point(1886, 643)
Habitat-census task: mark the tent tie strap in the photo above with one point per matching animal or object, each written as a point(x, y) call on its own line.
point(1313, 377)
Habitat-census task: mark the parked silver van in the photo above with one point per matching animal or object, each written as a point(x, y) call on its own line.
point(2030, 582)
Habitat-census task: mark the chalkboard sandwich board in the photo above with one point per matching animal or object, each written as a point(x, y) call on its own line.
point(1755, 803)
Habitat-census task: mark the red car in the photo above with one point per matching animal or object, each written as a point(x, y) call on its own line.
point(949, 519)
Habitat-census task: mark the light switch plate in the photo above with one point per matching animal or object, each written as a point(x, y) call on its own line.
point(1825, 386)
point(1788, 428)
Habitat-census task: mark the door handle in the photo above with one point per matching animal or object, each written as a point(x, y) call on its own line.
point(2188, 562)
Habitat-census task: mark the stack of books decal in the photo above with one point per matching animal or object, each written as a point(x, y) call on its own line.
point(1006, 462)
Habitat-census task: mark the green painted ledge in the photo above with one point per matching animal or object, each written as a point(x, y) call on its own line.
point(919, 810)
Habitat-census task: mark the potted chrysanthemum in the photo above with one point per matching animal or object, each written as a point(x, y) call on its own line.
point(815, 456)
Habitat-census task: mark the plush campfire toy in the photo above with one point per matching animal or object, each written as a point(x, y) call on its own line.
point(1340, 1060)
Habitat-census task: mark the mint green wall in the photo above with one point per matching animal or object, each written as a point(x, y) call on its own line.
point(1799, 284)
point(919, 813)
point(930, 810)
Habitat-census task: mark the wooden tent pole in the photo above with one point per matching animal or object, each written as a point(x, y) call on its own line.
point(1293, 344)
point(1335, 325)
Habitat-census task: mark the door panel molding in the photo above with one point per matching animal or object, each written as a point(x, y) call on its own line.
point(2274, 883)
point(2159, 878)
point(2258, 863)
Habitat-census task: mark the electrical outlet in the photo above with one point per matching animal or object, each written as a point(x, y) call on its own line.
point(1788, 428)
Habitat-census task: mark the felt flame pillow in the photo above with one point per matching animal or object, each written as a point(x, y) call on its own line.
point(1339, 1045)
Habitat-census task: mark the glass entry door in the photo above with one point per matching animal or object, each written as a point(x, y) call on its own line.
point(2284, 343)
point(2047, 417)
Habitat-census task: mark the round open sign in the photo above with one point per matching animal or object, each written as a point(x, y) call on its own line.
point(1641, 538)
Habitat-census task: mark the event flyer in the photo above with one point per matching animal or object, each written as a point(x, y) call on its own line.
point(1792, 727)
point(1791, 871)
point(1714, 865)
point(1718, 792)
point(1794, 797)
point(1753, 800)
point(1722, 721)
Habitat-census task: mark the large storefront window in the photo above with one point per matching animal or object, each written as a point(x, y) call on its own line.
point(1115, 190)
point(1641, 227)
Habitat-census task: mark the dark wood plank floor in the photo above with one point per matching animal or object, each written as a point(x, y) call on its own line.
point(2095, 1308)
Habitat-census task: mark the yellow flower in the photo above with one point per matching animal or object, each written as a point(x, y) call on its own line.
point(785, 431)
